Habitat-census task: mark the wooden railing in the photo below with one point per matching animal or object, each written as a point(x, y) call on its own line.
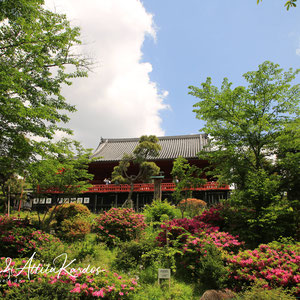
point(149, 187)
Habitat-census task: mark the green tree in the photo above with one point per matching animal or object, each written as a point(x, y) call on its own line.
point(37, 56)
point(147, 148)
point(288, 159)
point(186, 177)
point(245, 125)
point(64, 169)
point(288, 4)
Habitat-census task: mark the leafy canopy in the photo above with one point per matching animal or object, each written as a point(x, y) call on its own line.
point(37, 56)
point(63, 169)
point(247, 125)
point(186, 177)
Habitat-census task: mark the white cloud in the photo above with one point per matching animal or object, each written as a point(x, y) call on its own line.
point(118, 99)
point(298, 51)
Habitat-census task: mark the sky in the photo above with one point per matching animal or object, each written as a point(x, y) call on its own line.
point(146, 53)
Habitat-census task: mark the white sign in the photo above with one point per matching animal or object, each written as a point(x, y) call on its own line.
point(164, 273)
point(48, 200)
point(86, 200)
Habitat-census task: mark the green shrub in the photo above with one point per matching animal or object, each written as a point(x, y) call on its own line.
point(74, 229)
point(204, 266)
point(192, 207)
point(257, 292)
point(19, 239)
point(51, 285)
point(159, 209)
point(129, 254)
point(70, 211)
point(276, 264)
point(72, 221)
point(177, 290)
point(119, 224)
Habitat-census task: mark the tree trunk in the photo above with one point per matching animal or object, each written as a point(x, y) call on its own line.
point(21, 195)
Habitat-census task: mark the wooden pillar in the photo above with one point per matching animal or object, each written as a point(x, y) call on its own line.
point(157, 186)
point(137, 201)
point(95, 204)
point(116, 200)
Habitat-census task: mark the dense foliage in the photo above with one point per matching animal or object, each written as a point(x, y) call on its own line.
point(119, 224)
point(159, 211)
point(72, 220)
point(70, 284)
point(19, 239)
point(248, 127)
point(36, 45)
point(147, 147)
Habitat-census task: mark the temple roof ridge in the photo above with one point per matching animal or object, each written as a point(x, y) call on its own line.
point(113, 149)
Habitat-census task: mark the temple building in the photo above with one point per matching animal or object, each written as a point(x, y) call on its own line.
point(109, 152)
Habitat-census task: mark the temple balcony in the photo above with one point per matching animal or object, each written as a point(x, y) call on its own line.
point(149, 187)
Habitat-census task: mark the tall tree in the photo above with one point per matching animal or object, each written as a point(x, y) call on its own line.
point(245, 125)
point(37, 57)
point(147, 147)
point(64, 169)
point(186, 177)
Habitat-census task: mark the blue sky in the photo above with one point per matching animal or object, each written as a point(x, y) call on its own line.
point(147, 52)
point(200, 39)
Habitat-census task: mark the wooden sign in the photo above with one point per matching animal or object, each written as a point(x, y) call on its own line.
point(164, 273)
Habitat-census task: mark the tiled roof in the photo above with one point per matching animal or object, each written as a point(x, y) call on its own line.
point(171, 147)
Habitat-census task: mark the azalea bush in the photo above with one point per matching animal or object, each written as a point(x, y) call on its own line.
point(197, 250)
point(278, 219)
point(72, 220)
point(119, 224)
point(74, 229)
point(171, 230)
point(192, 206)
point(213, 216)
point(19, 239)
point(69, 211)
point(277, 264)
point(202, 262)
point(74, 283)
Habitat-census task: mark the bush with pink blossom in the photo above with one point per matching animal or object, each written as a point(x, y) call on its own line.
point(277, 264)
point(119, 224)
point(71, 283)
point(182, 228)
point(19, 239)
point(198, 250)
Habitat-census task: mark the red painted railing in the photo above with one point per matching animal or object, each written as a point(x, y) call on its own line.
point(149, 187)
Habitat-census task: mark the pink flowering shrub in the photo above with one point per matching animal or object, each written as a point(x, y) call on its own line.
point(73, 283)
point(182, 228)
point(277, 264)
point(213, 216)
point(279, 219)
point(198, 250)
point(201, 257)
point(119, 224)
point(19, 239)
